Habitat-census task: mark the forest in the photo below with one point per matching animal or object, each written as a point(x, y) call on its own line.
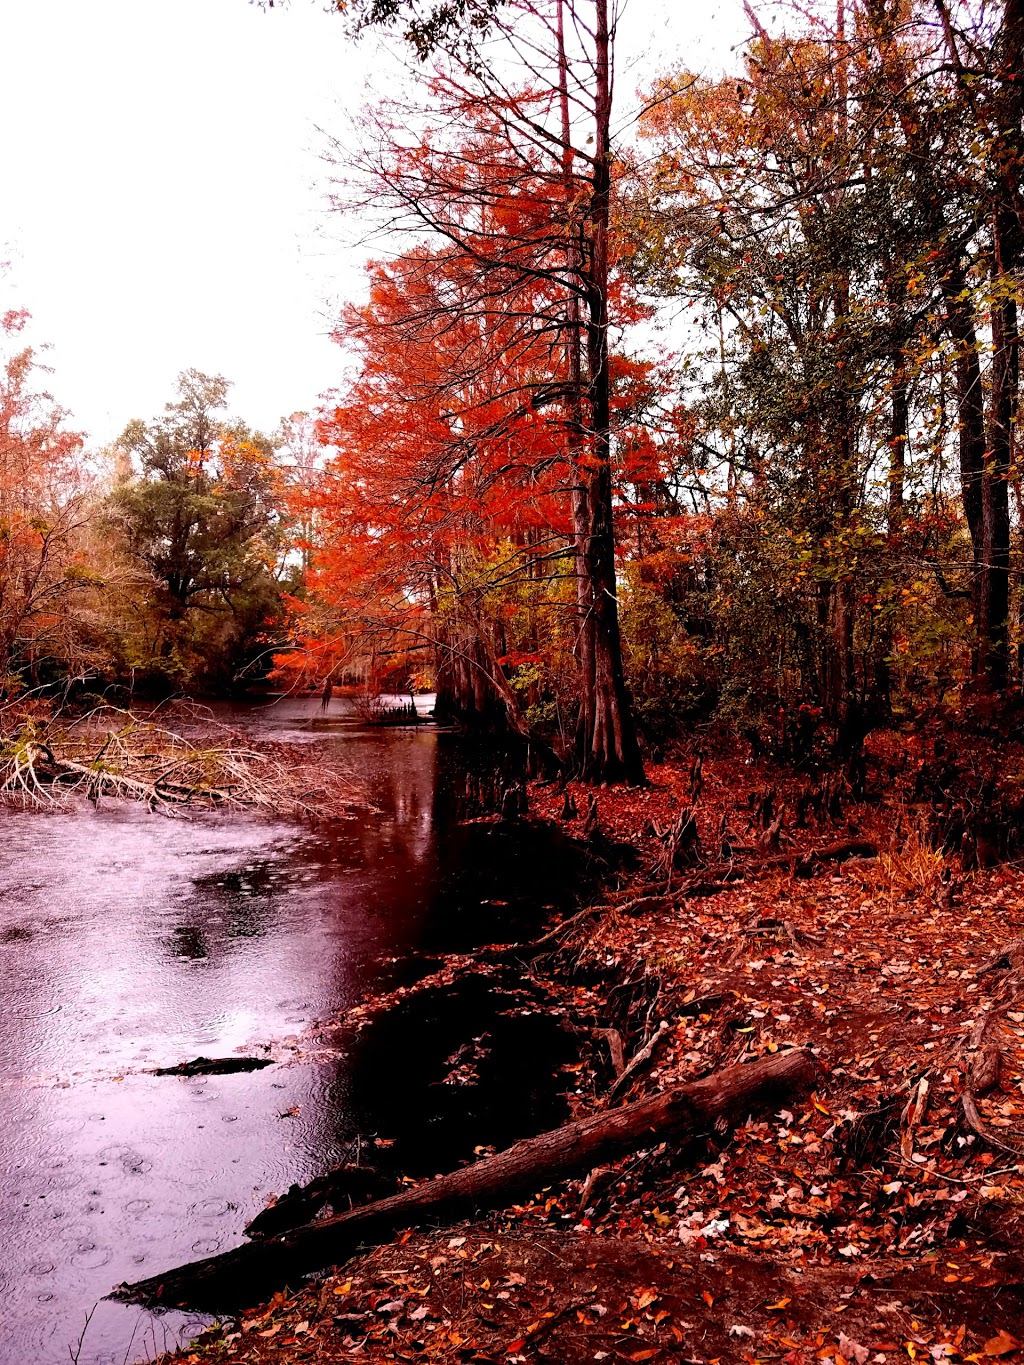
point(707, 423)
point(672, 478)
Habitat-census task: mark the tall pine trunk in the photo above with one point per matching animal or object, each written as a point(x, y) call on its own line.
point(986, 450)
point(609, 751)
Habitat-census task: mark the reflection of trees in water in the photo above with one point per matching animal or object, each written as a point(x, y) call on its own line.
point(492, 881)
point(411, 776)
point(225, 906)
point(475, 1063)
point(196, 939)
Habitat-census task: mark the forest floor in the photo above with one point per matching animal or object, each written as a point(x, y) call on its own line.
point(863, 1222)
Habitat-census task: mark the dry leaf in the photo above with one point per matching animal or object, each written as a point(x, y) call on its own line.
point(1000, 1345)
point(853, 1350)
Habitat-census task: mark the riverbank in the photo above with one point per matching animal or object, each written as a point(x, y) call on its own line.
point(864, 1220)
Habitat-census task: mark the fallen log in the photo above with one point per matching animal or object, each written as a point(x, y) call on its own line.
point(213, 1066)
point(340, 1188)
point(100, 781)
point(254, 1271)
point(807, 863)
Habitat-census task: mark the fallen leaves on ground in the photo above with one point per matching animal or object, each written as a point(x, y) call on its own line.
point(862, 1223)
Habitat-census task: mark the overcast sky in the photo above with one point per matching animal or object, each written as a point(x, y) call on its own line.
point(161, 188)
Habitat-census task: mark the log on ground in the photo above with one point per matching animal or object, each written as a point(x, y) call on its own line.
point(254, 1271)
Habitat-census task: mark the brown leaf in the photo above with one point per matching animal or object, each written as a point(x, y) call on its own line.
point(1000, 1345)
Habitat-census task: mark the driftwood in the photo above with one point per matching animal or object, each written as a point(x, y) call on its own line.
point(213, 1066)
point(251, 1273)
point(108, 752)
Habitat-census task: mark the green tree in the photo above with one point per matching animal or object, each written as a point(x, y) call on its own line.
point(201, 516)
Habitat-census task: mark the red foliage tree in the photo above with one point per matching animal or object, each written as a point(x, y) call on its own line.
point(43, 510)
point(499, 328)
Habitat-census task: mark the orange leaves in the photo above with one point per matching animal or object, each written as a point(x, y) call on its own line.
point(42, 497)
point(445, 485)
point(1002, 1344)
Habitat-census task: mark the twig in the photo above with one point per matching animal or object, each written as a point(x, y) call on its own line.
point(637, 1062)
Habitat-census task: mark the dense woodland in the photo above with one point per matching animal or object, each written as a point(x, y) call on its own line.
point(694, 407)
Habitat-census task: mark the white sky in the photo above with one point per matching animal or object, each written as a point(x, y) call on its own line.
point(161, 192)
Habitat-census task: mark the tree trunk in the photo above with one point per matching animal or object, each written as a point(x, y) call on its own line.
point(1008, 156)
point(609, 748)
point(251, 1273)
point(993, 620)
point(899, 433)
point(985, 466)
point(472, 690)
point(970, 400)
point(576, 427)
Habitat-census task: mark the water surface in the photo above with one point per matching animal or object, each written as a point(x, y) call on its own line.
point(130, 941)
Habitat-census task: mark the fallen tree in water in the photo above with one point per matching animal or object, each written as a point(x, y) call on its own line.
point(170, 759)
point(255, 1270)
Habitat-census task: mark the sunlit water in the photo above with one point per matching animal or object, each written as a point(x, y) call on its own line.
point(130, 941)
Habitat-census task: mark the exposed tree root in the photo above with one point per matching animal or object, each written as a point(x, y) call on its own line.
point(984, 1055)
point(636, 1064)
point(711, 881)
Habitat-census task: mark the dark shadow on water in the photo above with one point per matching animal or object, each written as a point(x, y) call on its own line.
point(477, 1064)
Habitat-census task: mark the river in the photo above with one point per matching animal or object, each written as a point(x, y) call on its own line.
point(130, 941)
